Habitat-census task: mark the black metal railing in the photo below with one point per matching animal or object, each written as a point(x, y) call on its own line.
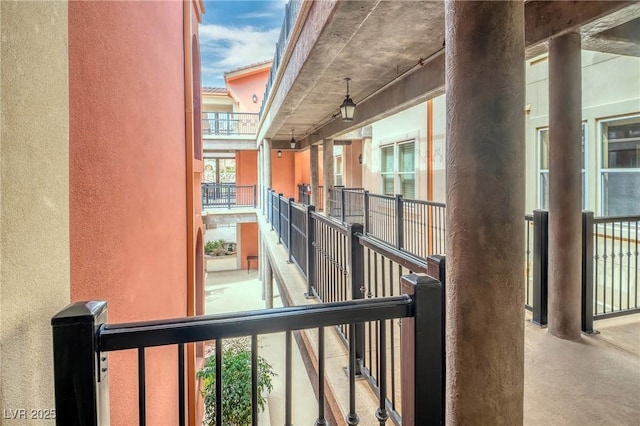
point(291, 14)
point(344, 264)
point(304, 195)
point(228, 195)
point(82, 339)
point(417, 227)
point(611, 254)
point(230, 123)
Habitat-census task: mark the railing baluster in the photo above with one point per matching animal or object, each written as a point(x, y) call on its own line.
point(254, 380)
point(219, 382)
point(288, 380)
point(352, 418)
point(381, 413)
point(321, 421)
point(182, 419)
point(142, 411)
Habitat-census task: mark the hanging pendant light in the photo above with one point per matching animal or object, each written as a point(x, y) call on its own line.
point(348, 107)
point(293, 141)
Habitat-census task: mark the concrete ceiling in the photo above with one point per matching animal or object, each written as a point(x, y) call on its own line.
point(380, 44)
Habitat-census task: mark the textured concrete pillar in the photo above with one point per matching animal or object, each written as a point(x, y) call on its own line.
point(565, 186)
point(313, 159)
point(267, 162)
point(259, 182)
point(327, 172)
point(485, 80)
point(268, 284)
point(34, 189)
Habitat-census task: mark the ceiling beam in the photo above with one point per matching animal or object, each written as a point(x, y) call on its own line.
point(543, 21)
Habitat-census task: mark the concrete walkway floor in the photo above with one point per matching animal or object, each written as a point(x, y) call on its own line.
point(595, 381)
point(233, 291)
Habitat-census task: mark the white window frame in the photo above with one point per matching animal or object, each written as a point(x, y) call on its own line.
point(541, 171)
point(601, 170)
point(396, 173)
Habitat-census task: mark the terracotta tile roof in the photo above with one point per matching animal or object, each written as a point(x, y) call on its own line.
point(217, 90)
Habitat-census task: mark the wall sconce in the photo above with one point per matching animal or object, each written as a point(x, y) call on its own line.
point(360, 159)
point(348, 107)
point(293, 141)
point(279, 154)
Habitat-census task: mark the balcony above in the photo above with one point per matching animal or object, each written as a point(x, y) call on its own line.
point(229, 130)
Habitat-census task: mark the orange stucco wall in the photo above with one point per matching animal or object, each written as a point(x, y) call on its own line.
point(244, 87)
point(352, 166)
point(128, 181)
point(248, 243)
point(246, 167)
point(303, 167)
point(283, 174)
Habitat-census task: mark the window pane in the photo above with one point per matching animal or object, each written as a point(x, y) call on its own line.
point(621, 144)
point(543, 136)
point(387, 185)
point(544, 190)
point(338, 165)
point(407, 158)
point(620, 193)
point(386, 159)
point(408, 185)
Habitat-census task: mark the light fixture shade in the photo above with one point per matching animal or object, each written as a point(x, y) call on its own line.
point(293, 143)
point(347, 109)
point(279, 154)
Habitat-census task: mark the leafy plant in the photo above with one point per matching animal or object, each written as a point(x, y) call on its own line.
point(236, 384)
point(210, 247)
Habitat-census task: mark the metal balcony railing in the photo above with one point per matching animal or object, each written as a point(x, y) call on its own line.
point(228, 195)
point(82, 340)
point(229, 123)
point(291, 14)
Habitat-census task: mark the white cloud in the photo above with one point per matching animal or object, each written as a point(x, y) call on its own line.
point(233, 47)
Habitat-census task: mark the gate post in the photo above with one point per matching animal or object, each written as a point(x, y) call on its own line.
point(540, 266)
point(423, 383)
point(587, 273)
point(356, 275)
point(80, 372)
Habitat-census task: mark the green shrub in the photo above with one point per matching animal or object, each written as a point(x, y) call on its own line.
point(210, 247)
point(236, 384)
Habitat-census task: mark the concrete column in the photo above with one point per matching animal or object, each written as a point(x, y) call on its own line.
point(565, 186)
point(313, 159)
point(327, 172)
point(268, 285)
point(485, 163)
point(267, 162)
point(259, 183)
point(34, 189)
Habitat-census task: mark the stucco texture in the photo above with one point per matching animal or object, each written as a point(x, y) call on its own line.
point(128, 182)
point(34, 213)
point(283, 173)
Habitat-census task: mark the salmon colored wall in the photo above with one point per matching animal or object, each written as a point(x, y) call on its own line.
point(303, 167)
point(283, 174)
point(246, 167)
point(248, 243)
point(352, 167)
point(243, 89)
point(127, 182)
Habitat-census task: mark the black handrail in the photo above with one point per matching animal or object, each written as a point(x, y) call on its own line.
point(116, 337)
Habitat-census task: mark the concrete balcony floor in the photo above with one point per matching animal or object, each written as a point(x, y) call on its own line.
point(595, 381)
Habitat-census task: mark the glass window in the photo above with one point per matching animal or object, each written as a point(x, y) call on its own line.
point(397, 168)
point(620, 166)
point(338, 170)
point(543, 166)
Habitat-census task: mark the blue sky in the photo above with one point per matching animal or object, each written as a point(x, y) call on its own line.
point(237, 33)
